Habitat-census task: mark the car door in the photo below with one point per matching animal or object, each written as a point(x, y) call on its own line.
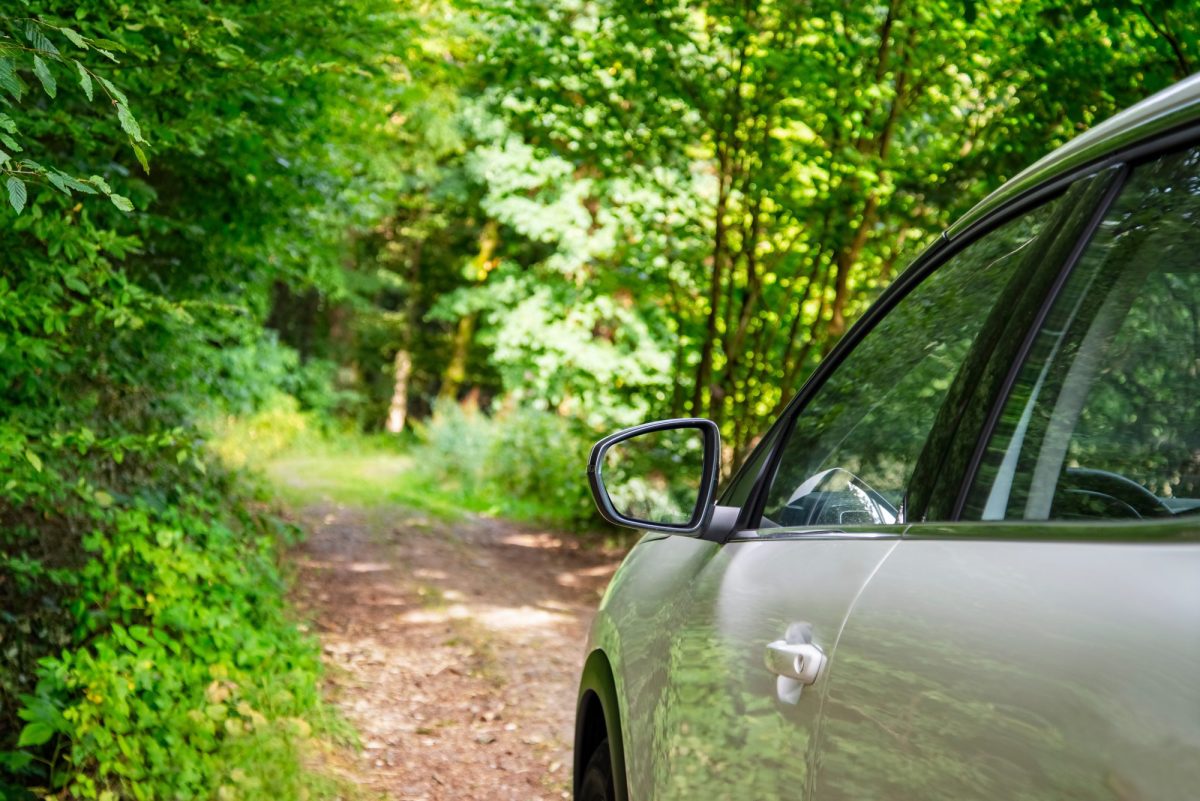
point(1045, 642)
point(726, 711)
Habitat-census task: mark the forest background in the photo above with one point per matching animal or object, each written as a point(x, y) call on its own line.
point(482, 233)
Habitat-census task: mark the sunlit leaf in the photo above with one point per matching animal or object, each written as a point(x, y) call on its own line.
point(85, 80)
point(128, 124)
point(9, 81)
point(16, 197)
point(45, 76)
point(75, 38)
point(35, 734)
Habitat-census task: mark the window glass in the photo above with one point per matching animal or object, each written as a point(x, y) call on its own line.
point(853, 448)
point(1103, 420)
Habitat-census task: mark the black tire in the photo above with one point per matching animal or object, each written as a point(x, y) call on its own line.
point(597, 784)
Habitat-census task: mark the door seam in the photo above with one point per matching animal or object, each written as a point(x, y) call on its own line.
point(814, 745)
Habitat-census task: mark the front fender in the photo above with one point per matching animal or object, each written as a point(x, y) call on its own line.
point(597, 686)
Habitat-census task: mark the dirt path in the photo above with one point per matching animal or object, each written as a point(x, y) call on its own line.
point(454, 649)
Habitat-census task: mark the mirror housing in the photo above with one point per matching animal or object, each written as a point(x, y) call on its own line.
point(710, 471)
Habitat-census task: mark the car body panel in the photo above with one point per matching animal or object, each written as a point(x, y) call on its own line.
point(991, 669)
point(702, 715)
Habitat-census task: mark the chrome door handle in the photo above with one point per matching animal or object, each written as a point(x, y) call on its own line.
point(799, 661)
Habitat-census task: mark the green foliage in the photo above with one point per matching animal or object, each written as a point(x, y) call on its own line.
point(148, 652)
point(619, 210)
point(35, 54)
point(192, 678)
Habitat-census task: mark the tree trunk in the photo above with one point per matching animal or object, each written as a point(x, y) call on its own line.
point(456, 370)
point(398, 408)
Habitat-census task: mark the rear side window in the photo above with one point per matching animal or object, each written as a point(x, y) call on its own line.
point(852, 449)
point(1103, 421)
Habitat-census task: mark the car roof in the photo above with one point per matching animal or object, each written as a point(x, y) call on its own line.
point(1174, 106)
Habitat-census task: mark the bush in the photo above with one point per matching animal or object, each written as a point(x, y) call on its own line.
point(261, 435)
point(518, 461)
point(165, 662)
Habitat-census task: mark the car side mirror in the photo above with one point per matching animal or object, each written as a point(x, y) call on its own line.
point(659, 476)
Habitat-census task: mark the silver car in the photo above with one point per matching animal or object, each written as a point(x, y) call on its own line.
point(965, 561)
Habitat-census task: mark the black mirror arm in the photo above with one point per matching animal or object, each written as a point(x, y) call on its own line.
point(721, 523)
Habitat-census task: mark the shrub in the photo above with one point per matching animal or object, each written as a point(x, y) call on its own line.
point(518, 461)
point(260, 435)
point(166, 664)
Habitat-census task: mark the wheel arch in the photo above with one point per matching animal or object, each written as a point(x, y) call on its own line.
point(597, 716)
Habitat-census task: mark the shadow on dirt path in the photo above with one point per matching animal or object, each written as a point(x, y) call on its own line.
point(454, 648)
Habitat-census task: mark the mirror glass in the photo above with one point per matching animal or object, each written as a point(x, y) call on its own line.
point(655, 477)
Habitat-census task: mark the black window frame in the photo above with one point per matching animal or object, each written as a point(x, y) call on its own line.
point(1144, 153)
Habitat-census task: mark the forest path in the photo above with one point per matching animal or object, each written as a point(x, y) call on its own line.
point(453, 648)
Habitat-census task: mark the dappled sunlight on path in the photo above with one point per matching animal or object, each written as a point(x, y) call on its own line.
point(454, 648)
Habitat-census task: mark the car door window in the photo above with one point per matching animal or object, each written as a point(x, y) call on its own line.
point(852, 449)
point(1103, 420)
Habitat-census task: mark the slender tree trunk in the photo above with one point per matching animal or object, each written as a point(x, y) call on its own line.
point(727, 140)
point(402, 365)
point(456, 369)
point(398, 408)
point(704, 370)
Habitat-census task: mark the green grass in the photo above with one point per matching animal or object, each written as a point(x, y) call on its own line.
point(375, 476)
point(306, 464)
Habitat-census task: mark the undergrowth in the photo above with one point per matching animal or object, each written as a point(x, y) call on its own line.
point(154, 653)
point(518, 464)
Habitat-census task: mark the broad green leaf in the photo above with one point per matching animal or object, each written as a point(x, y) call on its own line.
point(35, 734)
point(74, 283)
point(100, 184)
point(128, 124)
point(73, 183)
point(33, 459)
point(11, 143)
point(141, 157)
point(85, 81)
point(121, 202)
point(75, 38)
point(112, 90)
point(58, 183)
point(110, 44)
point(9, 81)
point(45, 76)
point(4, 158)
point(33, 32)
point(16, 196)
point(7, 124)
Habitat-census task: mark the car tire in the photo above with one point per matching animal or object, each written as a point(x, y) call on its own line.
point(597, 784)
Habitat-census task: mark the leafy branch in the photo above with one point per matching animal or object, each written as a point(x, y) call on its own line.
point(37, 53)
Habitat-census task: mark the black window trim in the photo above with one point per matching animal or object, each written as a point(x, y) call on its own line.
point(941, 250)
point(997, 403)
point(1146, 153)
